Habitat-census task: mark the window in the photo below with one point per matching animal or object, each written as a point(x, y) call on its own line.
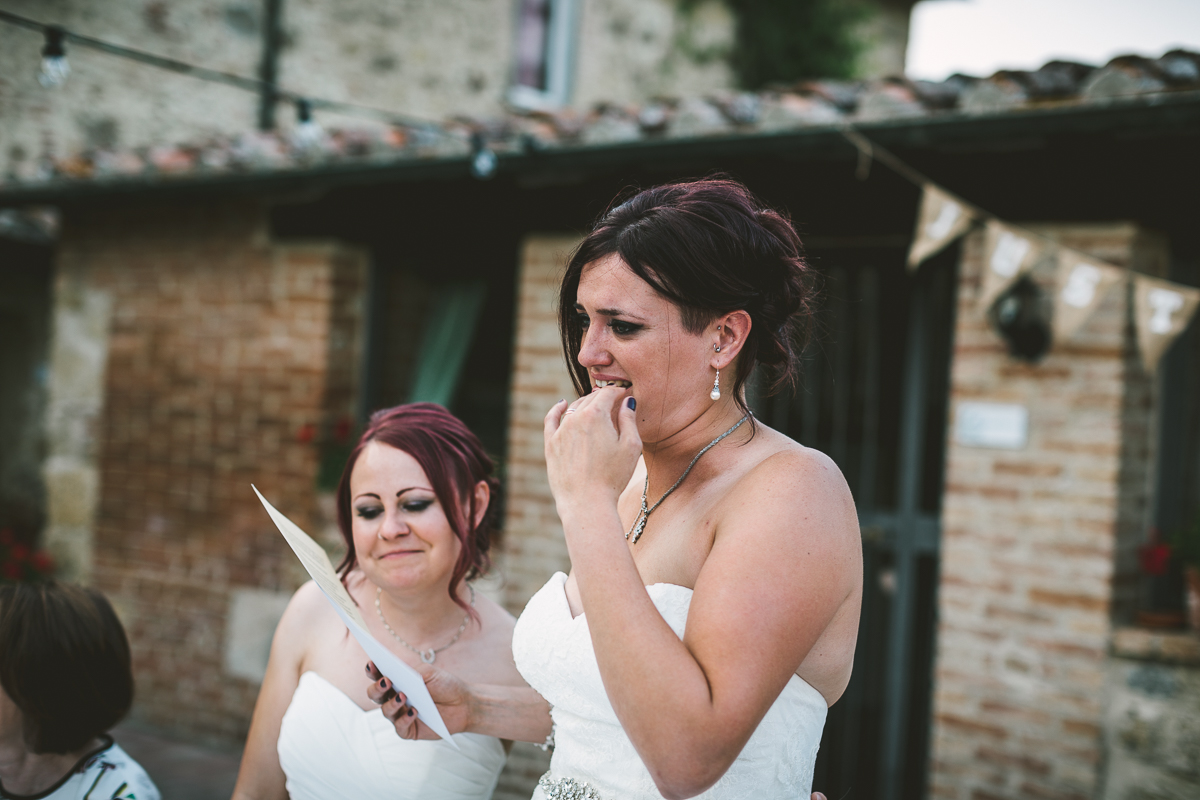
point(544, 53)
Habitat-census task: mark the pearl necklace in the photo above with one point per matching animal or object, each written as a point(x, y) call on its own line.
point(644, 515)
point(430, 655)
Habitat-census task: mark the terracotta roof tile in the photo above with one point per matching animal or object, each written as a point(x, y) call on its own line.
point(782, 108)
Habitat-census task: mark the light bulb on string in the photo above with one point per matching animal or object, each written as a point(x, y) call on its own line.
point(483, 160)
point(308, 134)
point(54, 69)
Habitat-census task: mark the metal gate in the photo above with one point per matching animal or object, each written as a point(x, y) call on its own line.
point(873, 396)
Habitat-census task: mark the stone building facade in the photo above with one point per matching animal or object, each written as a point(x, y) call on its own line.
point(428, 60)
point(209, 329)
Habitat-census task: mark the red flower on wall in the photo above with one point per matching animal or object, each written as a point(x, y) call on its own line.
point(19, 561)
point(42, 562)
point(1155, 555)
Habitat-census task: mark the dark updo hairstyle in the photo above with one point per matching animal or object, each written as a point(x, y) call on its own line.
point(64, 662)
point(710, 247)
point(454, 461)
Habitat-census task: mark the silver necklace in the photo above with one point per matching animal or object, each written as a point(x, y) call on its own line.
point(644, 515)
point(430, 655)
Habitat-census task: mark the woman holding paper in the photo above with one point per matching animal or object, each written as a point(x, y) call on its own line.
point(416, 506)
point(712, 610)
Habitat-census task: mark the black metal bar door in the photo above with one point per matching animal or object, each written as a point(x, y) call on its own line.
point(873, 397)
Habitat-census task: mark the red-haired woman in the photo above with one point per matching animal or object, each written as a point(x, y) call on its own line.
point(712, 609)
point(416, 505)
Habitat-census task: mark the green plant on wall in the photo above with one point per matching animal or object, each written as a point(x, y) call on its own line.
point(779, 41)
point(1185, 545)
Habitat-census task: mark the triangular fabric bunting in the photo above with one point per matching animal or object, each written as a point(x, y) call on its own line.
point(1007, 255)
point(943, 218)
point(1162, 311)
point(1082, 283)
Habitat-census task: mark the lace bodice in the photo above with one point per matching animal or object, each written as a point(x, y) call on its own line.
point(330, 747)
point(554, 653)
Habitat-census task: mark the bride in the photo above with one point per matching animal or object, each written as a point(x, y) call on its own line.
point(712, 609)
point(416, 506)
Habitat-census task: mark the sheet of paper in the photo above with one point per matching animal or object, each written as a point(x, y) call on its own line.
point(316, 561)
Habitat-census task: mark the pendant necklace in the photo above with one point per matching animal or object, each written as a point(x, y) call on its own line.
point(644, 514)
point(430, 655)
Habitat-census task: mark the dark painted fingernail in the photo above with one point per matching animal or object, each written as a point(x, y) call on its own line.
point(383, 684)
point(410, 712)
point(632, 403)
point(367, 669)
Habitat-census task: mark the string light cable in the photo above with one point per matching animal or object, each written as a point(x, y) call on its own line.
point(54, 70)
point(869, 150)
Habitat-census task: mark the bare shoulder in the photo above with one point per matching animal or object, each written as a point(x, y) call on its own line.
point(307, 603)
point(788, 465)
point(307, 617)
point(494, 617)
point(793, 493)
point(495, 643)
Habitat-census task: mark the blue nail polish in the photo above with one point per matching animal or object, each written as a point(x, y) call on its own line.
point(632, 403)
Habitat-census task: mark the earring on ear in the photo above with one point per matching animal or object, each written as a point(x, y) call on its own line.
point(715, 394)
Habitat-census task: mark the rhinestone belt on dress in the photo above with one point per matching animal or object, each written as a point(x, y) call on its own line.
point(567, 789)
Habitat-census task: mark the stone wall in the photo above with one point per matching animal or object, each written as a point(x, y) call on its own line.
point(423, 59)
point(1036, 543)
point(221, 359)
point(1152, 720)
point(534, 547)
point(110, 102)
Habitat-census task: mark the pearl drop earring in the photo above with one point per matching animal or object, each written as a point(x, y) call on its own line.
point(715, 394)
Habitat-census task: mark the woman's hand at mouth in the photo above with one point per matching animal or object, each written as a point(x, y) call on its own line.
point(592, 447)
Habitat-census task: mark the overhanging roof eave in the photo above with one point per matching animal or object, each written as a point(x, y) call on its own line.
point(1145, 115)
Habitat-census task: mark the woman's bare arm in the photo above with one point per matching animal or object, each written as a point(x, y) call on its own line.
point(786, 557)
point(784, 561)
point(260, 777)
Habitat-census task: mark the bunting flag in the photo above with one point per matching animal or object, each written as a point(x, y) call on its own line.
point(1082, 284)
point(1162, 311)
point(943, 218)
point(1008, 254)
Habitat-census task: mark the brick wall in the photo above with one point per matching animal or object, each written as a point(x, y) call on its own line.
point(1037, 544)
point(534, 547)
point(226, 359)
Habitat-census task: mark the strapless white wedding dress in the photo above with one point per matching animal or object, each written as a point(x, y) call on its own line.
point(593, 758)
point(330, 747)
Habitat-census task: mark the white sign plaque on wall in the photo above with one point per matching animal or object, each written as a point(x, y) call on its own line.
point(1001, 425)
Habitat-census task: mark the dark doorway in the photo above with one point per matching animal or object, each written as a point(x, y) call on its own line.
point(25, 272)
point(873, 396)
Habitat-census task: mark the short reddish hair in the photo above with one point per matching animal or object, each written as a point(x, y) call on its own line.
point(454, 461)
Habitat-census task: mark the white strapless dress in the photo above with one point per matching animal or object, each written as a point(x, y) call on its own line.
point(330, 747)
point(554, 653)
